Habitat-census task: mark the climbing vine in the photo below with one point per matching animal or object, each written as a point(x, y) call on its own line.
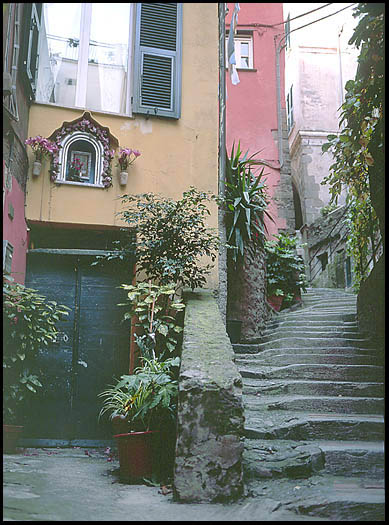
point(358, 149)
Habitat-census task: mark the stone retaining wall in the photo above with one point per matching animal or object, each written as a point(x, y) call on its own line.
point(208, 464)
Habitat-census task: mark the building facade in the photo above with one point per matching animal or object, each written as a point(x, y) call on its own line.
point(16, 104)
point(256, 117)
point(105, 77)
point(256, 108)
point(318, 63)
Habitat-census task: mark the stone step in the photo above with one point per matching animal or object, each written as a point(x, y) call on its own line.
point(315, 299)
point(252, 351)
point(327, 291)
point(305, 314)
point(310, 331)
point(315, 341)
point(331, 304)
point(298, 358)
point(289, 332)
point(333, 498)
point(356, 458)
point(319, 388)
point(325, 404)
point(263, 459)
point(305, 426)
point(312, 325)
point(316, 371)
point(275, 459)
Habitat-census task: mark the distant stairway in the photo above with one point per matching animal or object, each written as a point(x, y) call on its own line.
point(313, 394)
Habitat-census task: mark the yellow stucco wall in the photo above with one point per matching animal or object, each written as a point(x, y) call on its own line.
point(175, 154)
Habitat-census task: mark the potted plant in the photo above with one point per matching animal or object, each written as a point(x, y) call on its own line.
point(285, 271)
point(125, 161)
point(28, 324)
point(42, 148)
point(138, 404)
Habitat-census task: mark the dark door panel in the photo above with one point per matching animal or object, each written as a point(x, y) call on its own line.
point(92, 347)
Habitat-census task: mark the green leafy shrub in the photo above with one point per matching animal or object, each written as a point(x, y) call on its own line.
point(172, 237)
point(29, 323)
point(156, 311)
point(359, 148)
point(326, 210)
point(284, 268)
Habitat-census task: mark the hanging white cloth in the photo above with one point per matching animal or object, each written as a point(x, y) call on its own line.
point(231, 47)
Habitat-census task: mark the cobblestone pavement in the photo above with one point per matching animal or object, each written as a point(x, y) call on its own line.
point(77, 484)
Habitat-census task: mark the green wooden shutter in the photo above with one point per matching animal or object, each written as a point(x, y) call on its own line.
point(32, 21)
point(157, 60)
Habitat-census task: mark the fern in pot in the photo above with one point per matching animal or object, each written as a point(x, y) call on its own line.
point(139, 405)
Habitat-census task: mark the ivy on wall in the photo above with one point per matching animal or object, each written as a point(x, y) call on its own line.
point(358, 150)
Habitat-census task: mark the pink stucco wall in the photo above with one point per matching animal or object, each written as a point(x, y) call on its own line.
point(15, 230)
point(251, 106)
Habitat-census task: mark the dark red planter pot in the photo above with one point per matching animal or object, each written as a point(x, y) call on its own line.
point(275, 301)
point(135, 455)
point(11, 435)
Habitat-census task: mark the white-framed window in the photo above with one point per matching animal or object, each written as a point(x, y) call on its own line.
point(85, 148)
point(243, 52)
point(85, 51)
point(289, 109)
point(111, 57)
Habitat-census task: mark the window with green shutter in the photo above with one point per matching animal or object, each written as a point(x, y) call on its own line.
point(157, 59)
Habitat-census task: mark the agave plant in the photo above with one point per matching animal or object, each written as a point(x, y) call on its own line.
point(246, 200)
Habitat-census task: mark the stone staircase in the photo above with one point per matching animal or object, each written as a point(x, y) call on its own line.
point(313, 394)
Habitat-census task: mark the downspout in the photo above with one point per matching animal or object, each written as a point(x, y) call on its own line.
point(222, 259)
point(279, 48)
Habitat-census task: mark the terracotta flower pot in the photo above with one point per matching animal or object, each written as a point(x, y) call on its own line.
point(275, 301)
point(135, 455)
point(123, 177)
point(11, 435)
point(36, 168)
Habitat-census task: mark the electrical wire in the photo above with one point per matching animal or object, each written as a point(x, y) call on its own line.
point(299, 16)
point(285, 21)
point(314, 22)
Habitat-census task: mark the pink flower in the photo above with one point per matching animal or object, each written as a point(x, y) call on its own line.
point(125, 157)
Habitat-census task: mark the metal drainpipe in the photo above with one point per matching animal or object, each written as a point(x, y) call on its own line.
point(222, 259)
point(279, 48)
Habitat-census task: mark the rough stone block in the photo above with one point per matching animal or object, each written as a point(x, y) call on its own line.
point(209, 448)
